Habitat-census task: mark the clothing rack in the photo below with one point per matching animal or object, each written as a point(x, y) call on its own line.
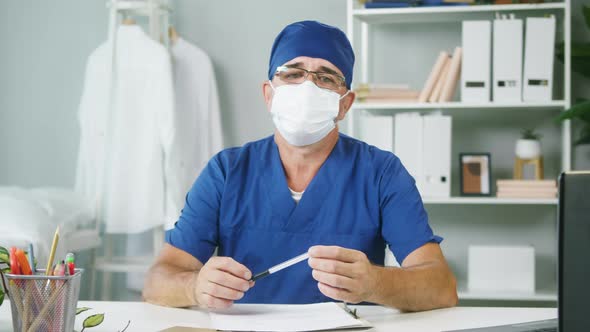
point(158, 15)
point(157, 11)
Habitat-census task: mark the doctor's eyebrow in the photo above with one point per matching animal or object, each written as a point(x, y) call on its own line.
point(329, 70)
point(323, 69)
point(295, 65)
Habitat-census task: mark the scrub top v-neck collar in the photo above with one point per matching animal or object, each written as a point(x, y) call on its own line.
point(298, 217)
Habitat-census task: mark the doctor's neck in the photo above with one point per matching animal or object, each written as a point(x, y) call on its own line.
point(308, 153)
point(301, 163)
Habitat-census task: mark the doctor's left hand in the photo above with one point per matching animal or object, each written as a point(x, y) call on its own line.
point(343, 274)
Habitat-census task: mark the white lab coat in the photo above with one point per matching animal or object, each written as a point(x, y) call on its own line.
point(198, 123)
point(125, 163)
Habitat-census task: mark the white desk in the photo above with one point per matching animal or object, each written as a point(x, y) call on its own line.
point(148, 317)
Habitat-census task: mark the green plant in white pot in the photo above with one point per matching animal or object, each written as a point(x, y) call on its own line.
point(529, 145)
point(580, 63)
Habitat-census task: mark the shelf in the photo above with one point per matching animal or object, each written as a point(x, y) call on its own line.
point(540, 295)
point(490, 201)
point(124, 264)
point(447, 13)
point(555, 104)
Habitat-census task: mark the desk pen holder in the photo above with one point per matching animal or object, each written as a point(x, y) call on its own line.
point(43, 303)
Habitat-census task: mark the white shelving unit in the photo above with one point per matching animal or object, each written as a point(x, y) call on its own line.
point(445, 14)
point(491, 201)
point(554, 104)
point(540, 295)
point(359, 23)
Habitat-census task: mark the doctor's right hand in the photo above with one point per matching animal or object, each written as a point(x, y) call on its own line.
point(220, 282)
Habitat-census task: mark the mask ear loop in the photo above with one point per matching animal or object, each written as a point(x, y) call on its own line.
point(344, 95)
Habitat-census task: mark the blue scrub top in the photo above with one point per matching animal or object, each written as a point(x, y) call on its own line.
point(361, 198)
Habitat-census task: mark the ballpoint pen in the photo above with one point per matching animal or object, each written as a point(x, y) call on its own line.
point(31, 256)
point(280, 266)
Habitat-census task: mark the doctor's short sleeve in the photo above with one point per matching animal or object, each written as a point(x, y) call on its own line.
point(196, 231)
point(405, 225)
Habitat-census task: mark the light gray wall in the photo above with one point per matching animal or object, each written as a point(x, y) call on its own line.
point(238, 36)
point(44, 45)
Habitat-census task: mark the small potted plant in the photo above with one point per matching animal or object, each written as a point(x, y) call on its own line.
point(528, 146)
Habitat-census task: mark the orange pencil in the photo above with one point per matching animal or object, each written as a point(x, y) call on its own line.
point(14, 268)
point(23, 262)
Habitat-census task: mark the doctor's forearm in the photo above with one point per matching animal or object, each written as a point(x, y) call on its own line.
point(171, 286)
point(423, 287)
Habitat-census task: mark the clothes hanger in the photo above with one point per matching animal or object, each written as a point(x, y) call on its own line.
point(127, 20)
point(172, 34)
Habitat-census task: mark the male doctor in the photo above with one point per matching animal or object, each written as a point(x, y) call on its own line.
point(307, 188)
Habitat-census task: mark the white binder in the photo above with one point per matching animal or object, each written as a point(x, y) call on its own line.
point(507, 58)
point(475, 69)
point(538, 59)
point(377, 130)
point(437, 156)
point(408, 144)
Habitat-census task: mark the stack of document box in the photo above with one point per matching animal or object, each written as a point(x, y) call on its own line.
point(527, 189)
point(376, 129)
point(423, 144)
point(521, 68)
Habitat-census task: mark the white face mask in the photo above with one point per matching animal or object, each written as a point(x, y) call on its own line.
point(304, 113)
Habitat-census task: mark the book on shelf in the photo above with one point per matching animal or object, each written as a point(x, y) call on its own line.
point(433, 77)
point(399, 100)
point(402, 4)
point(390, 3)
point(520, 195)
point(460, 1)
point(452, 78)
point(386, 93)
point(526, 183)
point(434, 96)
point(517, 190)
point(526, 188)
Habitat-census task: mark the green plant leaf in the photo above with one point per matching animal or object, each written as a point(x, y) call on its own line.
point(584, 136)
point(580, 110)
point(580, 57)
point(586, 12)
point(530, 133)
point(1, 296)
point(580, 49)
point(4, 257)
point(92, 321)
point(81, 310)
point(559, 51)
point(581, 65)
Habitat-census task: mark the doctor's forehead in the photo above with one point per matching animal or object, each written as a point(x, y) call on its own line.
point(313, 64)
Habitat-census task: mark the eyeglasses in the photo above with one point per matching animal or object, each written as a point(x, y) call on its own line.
point(294, 75)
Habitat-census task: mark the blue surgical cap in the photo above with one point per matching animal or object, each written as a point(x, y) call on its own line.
point(316, 40)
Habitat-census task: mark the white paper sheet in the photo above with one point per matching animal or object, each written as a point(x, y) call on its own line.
point(284, 318)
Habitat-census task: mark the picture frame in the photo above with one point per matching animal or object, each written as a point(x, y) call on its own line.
point(475, 174)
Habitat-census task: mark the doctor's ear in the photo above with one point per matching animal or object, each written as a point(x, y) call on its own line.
point(345, 105)
point(267, 93)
